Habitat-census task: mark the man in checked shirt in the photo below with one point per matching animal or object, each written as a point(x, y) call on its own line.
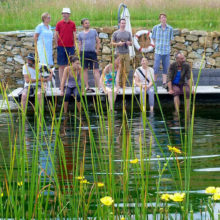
point(162, 35)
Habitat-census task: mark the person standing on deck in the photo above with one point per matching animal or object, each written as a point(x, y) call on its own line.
point(121, 39)
point(179, 72)
point(162, 34)
point(43, 39)
point(65, 38)
point(89, 45)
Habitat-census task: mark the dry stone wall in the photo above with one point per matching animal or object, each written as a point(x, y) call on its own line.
point(14, 47)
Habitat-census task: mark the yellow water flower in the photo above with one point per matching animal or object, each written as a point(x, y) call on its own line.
point(84, 181)
point(174, 149)
point(80, 177)
point(216, 196)
point(20, 183)
point(107, 200)
point(165, 197)
point(217, 190)
point(2, 194)
point(100, 184)
point(134, 161)
point(210, 190)
point(177, 197)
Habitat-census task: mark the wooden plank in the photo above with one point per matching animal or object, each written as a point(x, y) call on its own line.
point(15, 93)
point(128, 91)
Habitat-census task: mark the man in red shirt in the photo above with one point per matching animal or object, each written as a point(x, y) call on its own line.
point(65, 38)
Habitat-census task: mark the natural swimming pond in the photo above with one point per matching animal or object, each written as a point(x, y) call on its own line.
point(49, 172)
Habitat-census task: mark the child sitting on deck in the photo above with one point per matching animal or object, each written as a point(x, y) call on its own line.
point(72, 79)
point(108, 78)
point(30, 79)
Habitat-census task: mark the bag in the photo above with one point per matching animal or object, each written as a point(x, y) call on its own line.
point(143, 74)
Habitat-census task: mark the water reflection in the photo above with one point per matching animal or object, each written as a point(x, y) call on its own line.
point(122, 137)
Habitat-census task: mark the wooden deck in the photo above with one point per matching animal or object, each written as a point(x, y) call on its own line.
point(128, 91)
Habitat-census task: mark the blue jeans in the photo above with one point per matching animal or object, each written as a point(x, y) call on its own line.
point(165, 63)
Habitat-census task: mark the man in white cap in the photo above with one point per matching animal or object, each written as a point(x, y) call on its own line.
point(65, 38)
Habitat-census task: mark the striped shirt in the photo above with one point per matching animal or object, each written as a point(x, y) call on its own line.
point(162, 39)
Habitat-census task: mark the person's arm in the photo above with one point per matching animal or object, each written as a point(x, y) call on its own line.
point(79, 44)
point(129, 42)
point(65, 75)
point(74, 36)
point(56, 37)
point(28, 79)
point(169, 79)
point(97, 44)
point(137, 80)
point(36, 35)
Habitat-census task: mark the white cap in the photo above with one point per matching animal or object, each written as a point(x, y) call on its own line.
point(66, 10)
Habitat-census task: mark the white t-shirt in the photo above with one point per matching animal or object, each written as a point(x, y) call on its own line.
point(150, 75)
point(29, 71)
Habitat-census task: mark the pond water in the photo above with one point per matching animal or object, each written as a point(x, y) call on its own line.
point(205, 153)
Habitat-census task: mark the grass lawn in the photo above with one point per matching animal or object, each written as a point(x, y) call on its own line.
point(194, 14)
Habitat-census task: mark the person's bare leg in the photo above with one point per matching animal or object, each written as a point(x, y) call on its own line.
point(151, 108)
point(110, 100)
point(78, 105)
point(61, 70)
point(66, 107)
point(97, 78)
point(23, 100)
point(39, 97)
point(86, 78)
point(164, 76)
point(177, 103)
point(155, 76)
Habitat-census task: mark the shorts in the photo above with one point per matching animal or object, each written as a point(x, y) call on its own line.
point(179, 90)
point(165, 63)
point(90, 60)
point(63, 53)
point(69, 91)
point(32, 90)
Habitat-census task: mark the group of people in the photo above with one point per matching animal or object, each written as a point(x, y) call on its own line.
point(114, 74)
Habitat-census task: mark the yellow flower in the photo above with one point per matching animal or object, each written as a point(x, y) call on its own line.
point(85, 181)
point(216, 196)
point(217, 190)
point(134, 161)
point(2, 194)
point(80, 177)
point(20, 183)
point(99, 184)
point(210, 190)
point(122, 218)
point(107, 200)
point(165, 197)
point(177, 197)
point(174, 149)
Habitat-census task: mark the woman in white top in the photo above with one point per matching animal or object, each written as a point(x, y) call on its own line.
point(143, 80)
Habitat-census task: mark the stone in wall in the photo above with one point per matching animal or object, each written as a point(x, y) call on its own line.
point(193, 44)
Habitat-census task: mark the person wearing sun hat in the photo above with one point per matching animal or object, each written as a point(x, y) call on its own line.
point(29, 73)
point(65, 38)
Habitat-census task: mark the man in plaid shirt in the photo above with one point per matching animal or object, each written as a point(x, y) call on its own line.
point(162, 34)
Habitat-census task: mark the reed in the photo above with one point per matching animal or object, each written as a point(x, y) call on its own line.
point(44, 175)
